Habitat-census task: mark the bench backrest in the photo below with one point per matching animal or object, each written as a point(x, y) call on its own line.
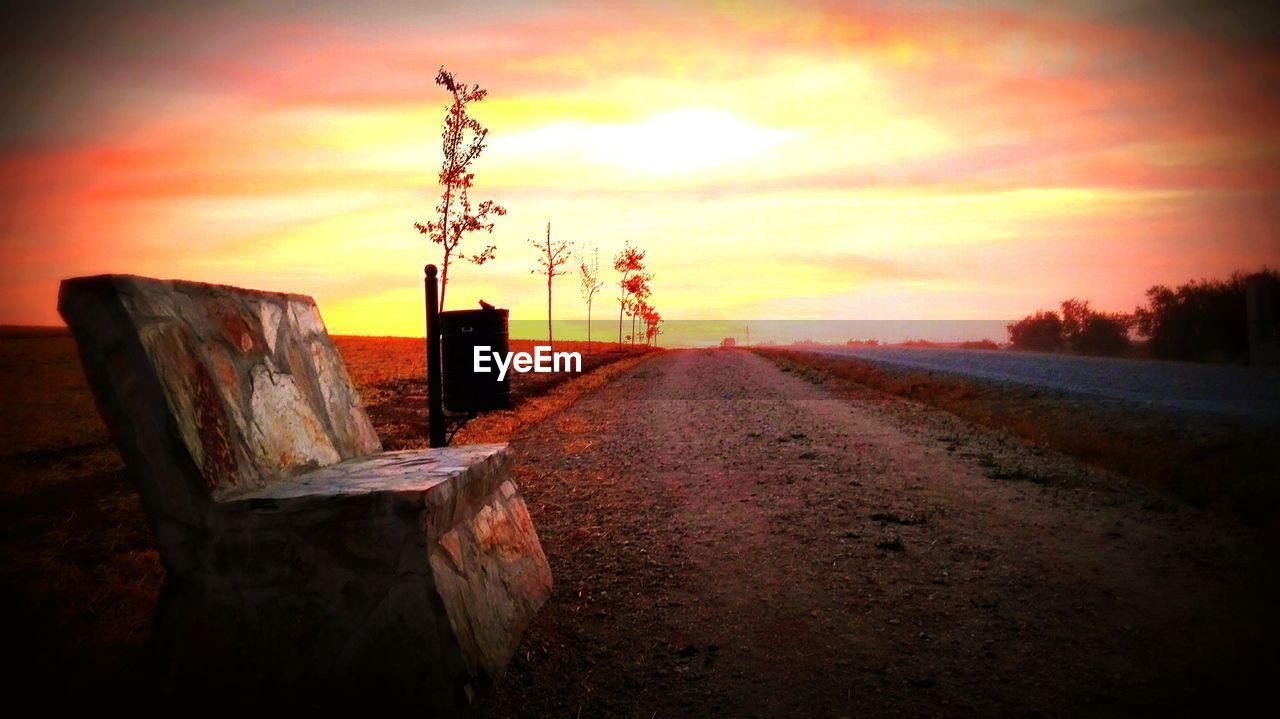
point(211, 390)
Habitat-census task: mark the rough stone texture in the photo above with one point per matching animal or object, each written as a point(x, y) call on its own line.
point(298, 554)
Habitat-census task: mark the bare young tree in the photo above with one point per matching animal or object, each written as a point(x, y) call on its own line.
point(589, 276)
point(629, 261)
point(551, 257)
point(652, 318)
point(462, 139)
point(639, 311)
point(637, 289)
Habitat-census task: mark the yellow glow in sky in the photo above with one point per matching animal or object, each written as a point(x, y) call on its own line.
point(676, 142)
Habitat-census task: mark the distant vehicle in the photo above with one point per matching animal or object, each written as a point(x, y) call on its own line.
point(728, 342)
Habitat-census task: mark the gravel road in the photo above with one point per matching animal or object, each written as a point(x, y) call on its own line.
point(731, 540)
point(1226, 390)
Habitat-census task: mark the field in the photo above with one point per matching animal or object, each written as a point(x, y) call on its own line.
point(737, 533)
point(79, 563)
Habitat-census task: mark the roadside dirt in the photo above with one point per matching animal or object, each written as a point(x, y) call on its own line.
point(731, 540)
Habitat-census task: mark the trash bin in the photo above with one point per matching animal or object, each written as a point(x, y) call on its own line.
point(466, 391)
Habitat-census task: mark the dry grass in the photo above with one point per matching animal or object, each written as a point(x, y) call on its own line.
point(502, 426)
point(79, 561)
point(388, 371)
point(80, 567)
point(1225, 464)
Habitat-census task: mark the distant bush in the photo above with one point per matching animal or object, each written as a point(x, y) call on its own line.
point(1094, 333)
point(1106, 335)
point(1041, 332)
point(979, 345)
point(863, 343)
point(1201, 320)
point(1078, 328)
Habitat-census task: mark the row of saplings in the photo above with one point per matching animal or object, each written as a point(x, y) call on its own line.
point(1201, 320)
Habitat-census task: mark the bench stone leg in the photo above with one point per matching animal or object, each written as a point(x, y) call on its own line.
point(354, 597)
point(489, 581)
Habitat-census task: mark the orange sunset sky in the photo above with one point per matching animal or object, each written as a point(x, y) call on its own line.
point(924, 160)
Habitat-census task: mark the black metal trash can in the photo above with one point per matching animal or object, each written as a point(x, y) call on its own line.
point(465, 390)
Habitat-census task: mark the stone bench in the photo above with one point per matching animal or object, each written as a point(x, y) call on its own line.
point(298, 554)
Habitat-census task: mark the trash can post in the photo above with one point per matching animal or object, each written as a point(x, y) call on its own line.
point(435, 395)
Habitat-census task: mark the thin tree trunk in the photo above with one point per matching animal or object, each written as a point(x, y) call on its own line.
point(550, 274)
point(622, 305)
point(444, 243)
point(444, 279)
point(589, 325)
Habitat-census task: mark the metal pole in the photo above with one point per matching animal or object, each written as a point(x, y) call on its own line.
point(435, 394)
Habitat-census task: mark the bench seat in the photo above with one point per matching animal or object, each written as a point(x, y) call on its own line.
point(427, 472)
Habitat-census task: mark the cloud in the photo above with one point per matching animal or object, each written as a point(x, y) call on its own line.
point(680, 141)
point(804, 145)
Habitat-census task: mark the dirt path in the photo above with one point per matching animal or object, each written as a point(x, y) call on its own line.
point(729, 540)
